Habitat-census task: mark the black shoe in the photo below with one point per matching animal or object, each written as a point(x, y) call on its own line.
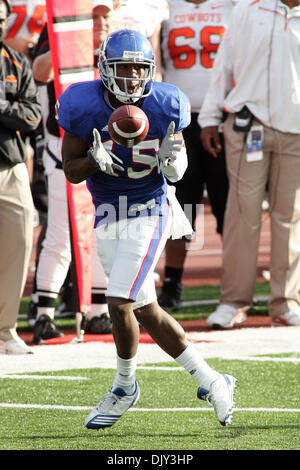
point(31, 313)
point(44, 328)
point(170, 297)
point(97, 325)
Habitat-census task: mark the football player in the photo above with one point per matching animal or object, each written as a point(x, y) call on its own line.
point(134, 212)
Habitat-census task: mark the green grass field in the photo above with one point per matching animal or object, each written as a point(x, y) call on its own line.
point(46, 420)
point(48, 414)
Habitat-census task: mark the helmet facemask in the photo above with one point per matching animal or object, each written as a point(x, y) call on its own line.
point(109, 76)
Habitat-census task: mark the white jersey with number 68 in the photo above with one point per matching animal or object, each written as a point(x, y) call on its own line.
point(190, 40)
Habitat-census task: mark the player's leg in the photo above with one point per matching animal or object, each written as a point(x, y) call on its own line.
point(55, 256)
point(131, 284)
point(124, 326)
point(216, 183)
point(163, 328)
point(129, 251)
point(214, 387)
point(125, 391)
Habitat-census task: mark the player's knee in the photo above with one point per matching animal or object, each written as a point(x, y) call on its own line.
point(139, 315)
point(147, 312)
point(119, 309)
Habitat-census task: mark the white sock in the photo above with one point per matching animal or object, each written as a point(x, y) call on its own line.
point(191, 360)
point(125, 377)
point(50, 311)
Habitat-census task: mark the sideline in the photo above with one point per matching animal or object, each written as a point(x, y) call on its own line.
point(241, 344)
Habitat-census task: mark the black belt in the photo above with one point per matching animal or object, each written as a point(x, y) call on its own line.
point(51, 154)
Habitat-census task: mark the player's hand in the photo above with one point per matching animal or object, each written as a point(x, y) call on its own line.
point(102, 159)
point(210, 140)
point(169, 147)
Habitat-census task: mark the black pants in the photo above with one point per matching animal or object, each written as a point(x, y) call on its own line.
point(203, 170)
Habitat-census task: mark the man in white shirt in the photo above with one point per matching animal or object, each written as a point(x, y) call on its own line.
point(256, 79)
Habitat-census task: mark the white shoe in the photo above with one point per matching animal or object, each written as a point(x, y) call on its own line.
point(110, 409)
point(225, 316)
point(14, 346)
point(287, 319)
point(221, 395)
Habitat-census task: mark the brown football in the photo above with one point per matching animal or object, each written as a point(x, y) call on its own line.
point(128, 125)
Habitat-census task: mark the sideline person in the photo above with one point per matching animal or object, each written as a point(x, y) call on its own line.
point(260, 91)
point(20, 113)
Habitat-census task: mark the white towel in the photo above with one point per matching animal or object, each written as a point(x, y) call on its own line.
point(180, 226)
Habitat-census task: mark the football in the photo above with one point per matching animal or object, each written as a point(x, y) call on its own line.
point(128, 125)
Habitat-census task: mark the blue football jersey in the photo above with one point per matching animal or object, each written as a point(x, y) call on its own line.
point(81, 108)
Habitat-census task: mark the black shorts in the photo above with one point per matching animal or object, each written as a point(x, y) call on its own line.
point(203, 171)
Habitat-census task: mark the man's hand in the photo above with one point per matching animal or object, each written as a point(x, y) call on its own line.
point(169, 147)
point(210, 140)
point(101, 159)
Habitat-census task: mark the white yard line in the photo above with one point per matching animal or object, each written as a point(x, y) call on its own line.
point(84, 408)
point(294, 360)
point(42, 377)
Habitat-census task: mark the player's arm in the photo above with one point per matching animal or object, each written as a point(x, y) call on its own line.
point(80, 162)
point(172, 155)
point(77, 167)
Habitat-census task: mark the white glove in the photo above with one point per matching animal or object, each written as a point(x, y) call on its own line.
point(102, 159)
point(169, 148)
